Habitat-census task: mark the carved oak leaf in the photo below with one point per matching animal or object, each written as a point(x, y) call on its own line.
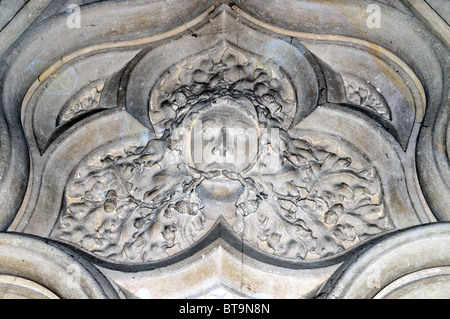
point(131, 205)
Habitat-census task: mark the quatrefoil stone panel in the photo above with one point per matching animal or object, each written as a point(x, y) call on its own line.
point(165, 138)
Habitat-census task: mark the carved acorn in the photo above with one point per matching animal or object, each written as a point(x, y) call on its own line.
point(110, 201)
point(249, 207)
point(331, 217)
point(186, 207)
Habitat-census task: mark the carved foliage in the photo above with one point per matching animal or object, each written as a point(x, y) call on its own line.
point(86, 100)
point(363, 94)
point(298, 199)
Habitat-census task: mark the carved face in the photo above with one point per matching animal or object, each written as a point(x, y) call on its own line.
point(223, 138)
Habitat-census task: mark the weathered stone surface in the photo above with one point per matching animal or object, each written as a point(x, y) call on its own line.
point(204, 149)
point(392, 268)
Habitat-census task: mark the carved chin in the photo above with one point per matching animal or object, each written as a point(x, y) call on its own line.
point(217, 168)
point(220, 188)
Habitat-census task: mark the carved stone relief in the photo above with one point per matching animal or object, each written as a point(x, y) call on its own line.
point(284, 148)
point(287, 196)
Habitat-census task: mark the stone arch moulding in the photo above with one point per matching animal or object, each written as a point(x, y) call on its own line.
point(114, 145)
